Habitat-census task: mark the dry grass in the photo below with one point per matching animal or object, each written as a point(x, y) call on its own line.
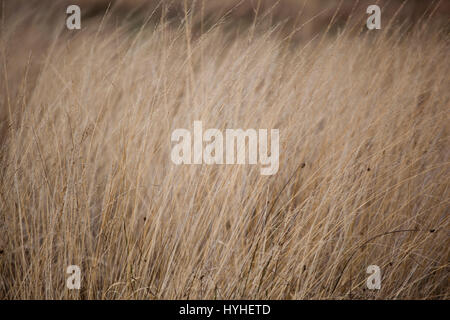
point(364, 170)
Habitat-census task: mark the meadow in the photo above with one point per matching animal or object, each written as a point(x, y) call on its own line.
point(86, 176)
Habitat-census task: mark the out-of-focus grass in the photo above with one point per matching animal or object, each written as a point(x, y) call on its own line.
point(87, 177)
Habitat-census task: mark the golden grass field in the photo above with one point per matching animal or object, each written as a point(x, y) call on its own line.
point(87, 180)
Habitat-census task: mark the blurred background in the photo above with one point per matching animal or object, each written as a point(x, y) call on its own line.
point(290, 12)
point(28, 26)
